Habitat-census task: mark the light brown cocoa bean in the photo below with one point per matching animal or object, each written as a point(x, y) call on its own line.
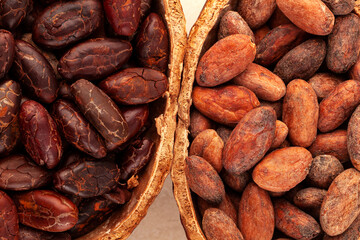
point(301, 112)
point(226, 104)
point(277, 106)
point(282, 169)
point(352, 233)
point(260, 33)
point(209, 146)
point(262, 82)
point(256, 214)
point(340, 7)
point(233, 23)
point(324, 83)
point(355, 71)
point(234, 181)
point(312, 16)
point(340, 206)
point(338, 105)
point(250, 140)
point(278, 18)
point(226, 59)
point(199, 123)
point(256, 12)
point(309, 200)
point(281, 132)
point(353, 138)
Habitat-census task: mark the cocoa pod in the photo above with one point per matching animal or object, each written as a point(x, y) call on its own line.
point(312, 16)
point(342, 51)
point(226, 104)
point(262, 82)
point(256, 214)
point(282, 169)
point(250, 140)
point(204, 180)
point(338, 105)
point(341, 202)
point(301, 112)
point(226, 59)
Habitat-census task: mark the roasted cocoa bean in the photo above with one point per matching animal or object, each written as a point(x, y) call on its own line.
point(9, 222)
point(76, 129)
point(94, 59)
point(65, 23)
point(123, 16)
point(260, 33)
point(13, 12)
point(18, 174)
point(250, 140)
point(34, 72)
point(27, 233)
point(101, 112)
point(256, 13)
point(324, 83)
point(136, 118)
point(87, 178)
point(10, 138)
point(353, 138)
point(10, 95)
point(152, 43)
point(281, 132)
point(39, 134)
point(46, 210)
point(7, 48)
point(309, 200)
point(199, 123)
point(340, 7)
point(233, 23)
point(118, 195)
point(135, 86)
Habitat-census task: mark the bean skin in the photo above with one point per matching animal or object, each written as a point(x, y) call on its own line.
point(9, 222)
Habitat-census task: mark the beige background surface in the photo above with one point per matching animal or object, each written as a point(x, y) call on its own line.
point(162, 221)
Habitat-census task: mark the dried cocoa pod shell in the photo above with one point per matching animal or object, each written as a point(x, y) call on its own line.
point(323, 171)
point(256, 213)
point(312, 16)
point(324, 83)
point(204, 180)
point(353, 138)
point(262, 82)
point(233, 23)
point(340, 7)
point(302, 61)
point(342, 51)
point(226, 59)
point(301, 112)
point(282, 169)
point(217, 226)
point(294, 222)
point(250, 140)
point(277, 43)
point(338, 105)
point(256, 13)
point(225, 104)
point(209, 146)
point(281, 132)
point(341, 202)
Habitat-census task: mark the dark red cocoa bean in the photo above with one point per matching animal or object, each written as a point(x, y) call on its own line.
point(34, 72)
point(135, 157)
point(94, 59)
point(27, 233)
point(65, 91)
point(152, 43)
point(18, 174)
point(77, 130)
point(135, 86)
point(302, 61)
point(9, 222)
point(118, 195)
point(46, 210)
point(342, 51)
point(13, 12)
point(10, 137)
point(101, 112)
point(87, 178)
point(136, 117)
point(64, 23)
point(39, 134)
point(123, 16)
point(92, 212)
point(145, 6)
point(10, 96)
point(7, 49)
